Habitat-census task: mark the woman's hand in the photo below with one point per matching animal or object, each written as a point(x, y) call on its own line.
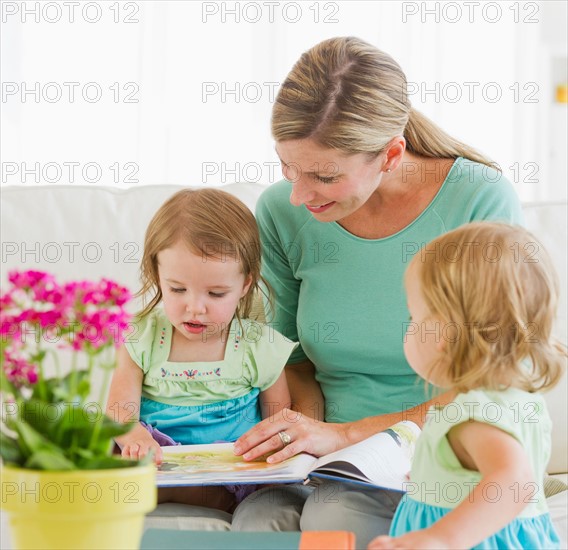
point(306, 435)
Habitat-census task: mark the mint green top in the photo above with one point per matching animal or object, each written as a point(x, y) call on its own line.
point(255, 356)
point(342, 297)
point(437, 478)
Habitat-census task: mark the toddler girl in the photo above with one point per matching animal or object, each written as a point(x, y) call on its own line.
point(198, 370)
point(482, 299)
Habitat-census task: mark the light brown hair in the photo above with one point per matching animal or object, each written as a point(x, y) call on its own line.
point(346, 94)
point(495, 286)
point(210, 222)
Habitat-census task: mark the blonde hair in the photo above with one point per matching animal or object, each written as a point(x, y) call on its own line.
point(494, 286)
point(210, 222)
point(346, 94)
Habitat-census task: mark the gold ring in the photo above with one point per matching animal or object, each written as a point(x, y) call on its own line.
point(285, 438)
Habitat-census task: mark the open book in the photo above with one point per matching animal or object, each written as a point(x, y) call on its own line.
point(382, 460)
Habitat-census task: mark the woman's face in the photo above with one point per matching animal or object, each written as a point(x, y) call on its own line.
point(330, 184)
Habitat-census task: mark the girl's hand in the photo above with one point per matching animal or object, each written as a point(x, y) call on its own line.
point(138, 443)
point(306, 435)
point(123, 405)
point(419, 540)
point(138, 449)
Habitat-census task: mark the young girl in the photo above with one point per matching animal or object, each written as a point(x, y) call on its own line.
point(482, 299)
point(197, 370)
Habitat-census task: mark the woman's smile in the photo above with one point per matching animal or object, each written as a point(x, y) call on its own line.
point(321, 208)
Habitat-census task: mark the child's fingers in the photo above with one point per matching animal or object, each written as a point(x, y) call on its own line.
point(139, 449)
point(152, 447)
point(131, 451)
point(158, 455)
point(149, 447)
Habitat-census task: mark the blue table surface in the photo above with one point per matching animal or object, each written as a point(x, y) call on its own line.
point(174, 539)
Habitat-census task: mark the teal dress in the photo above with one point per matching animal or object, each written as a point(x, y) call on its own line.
point(439, 483)
point(204, 402)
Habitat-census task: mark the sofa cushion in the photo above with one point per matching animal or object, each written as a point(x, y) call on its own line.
point(79, 232)
point(549, 223)
point(192, 518)
point(558, 508)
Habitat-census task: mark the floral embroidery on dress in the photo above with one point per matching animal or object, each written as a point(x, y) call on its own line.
point(191, 374)
point(237, 337)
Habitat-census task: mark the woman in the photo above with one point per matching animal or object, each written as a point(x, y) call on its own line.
point(369, 181)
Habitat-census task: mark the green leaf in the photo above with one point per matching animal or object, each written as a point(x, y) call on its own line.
point(49, 460)
point(83, 425)
point(46, 418)
point(59, 436)
point(5, 386)
point(10, 450)
point(106, 463)
point(112, 429)
point(86, 454)
point(29, 439)
point(60, 389)
point(33, 444)
point(39, 356)
point(83, 388)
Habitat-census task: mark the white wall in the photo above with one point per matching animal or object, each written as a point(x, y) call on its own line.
point(165, 70)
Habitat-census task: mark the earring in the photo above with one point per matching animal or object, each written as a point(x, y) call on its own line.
point(388, 169)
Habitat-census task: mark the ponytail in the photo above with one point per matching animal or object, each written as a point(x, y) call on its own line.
point(426, 139)
point(346, 94)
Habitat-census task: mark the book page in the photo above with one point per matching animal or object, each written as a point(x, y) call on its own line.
point(382, 459)
point(216, 464)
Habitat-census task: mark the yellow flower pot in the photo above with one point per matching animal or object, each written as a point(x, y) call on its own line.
point(79, 509)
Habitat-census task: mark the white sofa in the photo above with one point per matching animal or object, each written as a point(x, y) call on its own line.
point(78, 232)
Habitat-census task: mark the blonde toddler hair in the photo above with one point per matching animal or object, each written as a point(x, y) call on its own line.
point(493, 288)
point(210, 222)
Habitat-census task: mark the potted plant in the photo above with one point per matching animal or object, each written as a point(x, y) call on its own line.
point(61, 485)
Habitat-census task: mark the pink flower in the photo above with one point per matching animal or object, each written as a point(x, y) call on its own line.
point(41, 318)
point(89, 315)
point(36, 280)
point(9, 329)
point(19, 370)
